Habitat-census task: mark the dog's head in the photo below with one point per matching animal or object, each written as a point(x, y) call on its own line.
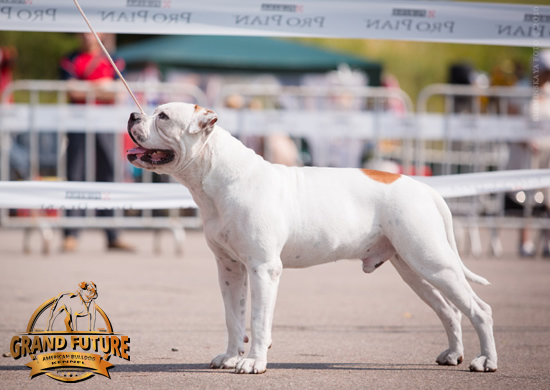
point(169, 138)
point(89, 290)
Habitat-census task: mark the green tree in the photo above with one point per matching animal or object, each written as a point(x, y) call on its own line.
point(38, 52)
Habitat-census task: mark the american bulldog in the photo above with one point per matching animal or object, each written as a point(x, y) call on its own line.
point(260, 218)
point(78, 304)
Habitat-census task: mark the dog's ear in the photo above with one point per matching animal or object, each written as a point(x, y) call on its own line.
point(82, 285)
point(202, 120)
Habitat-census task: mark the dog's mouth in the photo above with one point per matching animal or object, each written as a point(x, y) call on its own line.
point(150, 156)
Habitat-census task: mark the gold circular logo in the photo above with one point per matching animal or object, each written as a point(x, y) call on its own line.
point(70, 338)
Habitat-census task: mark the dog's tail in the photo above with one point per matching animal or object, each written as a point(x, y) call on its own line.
point(448, 221)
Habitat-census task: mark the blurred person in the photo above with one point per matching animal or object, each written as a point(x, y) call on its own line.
point(508, 74)
point(335, 150)
point(533, 155)
point(504, 74)
point(150, 75)
point(461, 74)
point(393, 104)
point(19, 155)
point(281, 149)
point(277, 148)
point(522, 156)
point(540, 108)
point(90, 64)
point(8, 56)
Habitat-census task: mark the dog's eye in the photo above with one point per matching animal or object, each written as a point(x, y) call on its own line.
point(163, 116)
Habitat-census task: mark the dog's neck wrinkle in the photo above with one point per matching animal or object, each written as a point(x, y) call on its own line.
point(193, 172)
point(198, 176)
point(191, 165)
point(193, 175)
point(192, 178)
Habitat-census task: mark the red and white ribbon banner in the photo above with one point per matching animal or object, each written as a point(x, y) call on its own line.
point(432, 21)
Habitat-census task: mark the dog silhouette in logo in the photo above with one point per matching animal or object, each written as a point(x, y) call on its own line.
point(78, 304)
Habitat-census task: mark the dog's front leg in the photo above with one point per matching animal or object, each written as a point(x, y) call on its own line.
point(233, 284)
point(264, 281)
point(73, 318)
point(92, 313)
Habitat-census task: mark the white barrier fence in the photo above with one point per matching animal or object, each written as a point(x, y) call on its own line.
point(321, 117)
point(131, 196)
point(53, 122)
point(72, 195)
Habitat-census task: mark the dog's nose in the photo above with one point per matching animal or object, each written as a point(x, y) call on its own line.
point(135, 117)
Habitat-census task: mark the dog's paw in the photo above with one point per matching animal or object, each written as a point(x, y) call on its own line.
point(225, 360)
point(251, 366)
point(449, 358)
point(483, 364)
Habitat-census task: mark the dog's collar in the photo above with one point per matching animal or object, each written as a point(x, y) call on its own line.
point(184, 168)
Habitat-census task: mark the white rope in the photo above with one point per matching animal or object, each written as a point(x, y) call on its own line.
point(108, 56)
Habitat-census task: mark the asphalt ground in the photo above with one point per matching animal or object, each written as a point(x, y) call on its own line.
point(334, 327)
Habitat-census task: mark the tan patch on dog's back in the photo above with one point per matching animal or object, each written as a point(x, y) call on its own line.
point(382, 177)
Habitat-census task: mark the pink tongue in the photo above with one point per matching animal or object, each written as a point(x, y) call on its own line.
point(138, 150)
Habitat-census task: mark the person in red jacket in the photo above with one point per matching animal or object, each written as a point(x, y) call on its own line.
point(90, 64)
point(8, 55)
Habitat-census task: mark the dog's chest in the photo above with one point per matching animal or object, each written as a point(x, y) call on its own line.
point(225, 240)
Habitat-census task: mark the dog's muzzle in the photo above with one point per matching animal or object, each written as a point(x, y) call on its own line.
point(135, 117)
point(150, 156)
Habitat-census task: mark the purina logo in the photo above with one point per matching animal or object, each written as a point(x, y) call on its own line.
point(282, 7)
point(60, 345)
point(537, 18)
point(415, 13)
point(84, 195)
point(149, 3)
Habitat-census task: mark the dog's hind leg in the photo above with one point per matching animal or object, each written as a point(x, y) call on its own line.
point(53, 316)
point(429, 252)
point(441, 267)
point(233, 280)
point(449, 315)
point(70, 321)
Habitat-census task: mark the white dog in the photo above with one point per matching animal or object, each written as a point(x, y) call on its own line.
point(78, 304)
point(260, 217)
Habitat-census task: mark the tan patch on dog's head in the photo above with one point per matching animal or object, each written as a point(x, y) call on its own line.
point(197, 108)
point(382, 177)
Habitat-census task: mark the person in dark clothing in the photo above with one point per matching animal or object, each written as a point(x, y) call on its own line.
point(90, 64)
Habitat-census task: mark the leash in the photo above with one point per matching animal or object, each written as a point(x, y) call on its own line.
point(128, 87)
point(108, 56)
